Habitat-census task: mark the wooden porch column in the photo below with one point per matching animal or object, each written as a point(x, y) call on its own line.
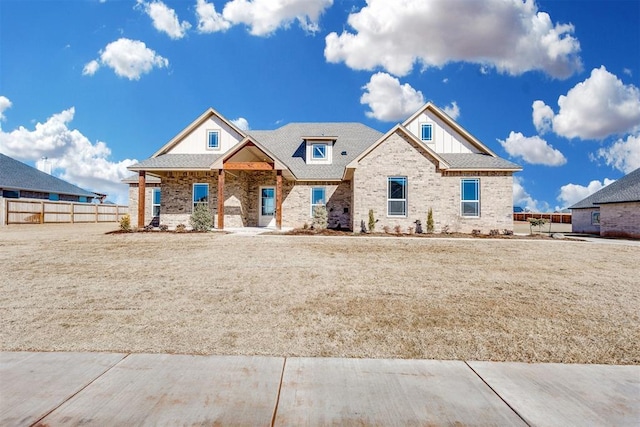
point(141, 194)
point(221, 199)
point(279, 199)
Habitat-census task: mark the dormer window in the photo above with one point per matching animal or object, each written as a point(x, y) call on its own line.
point(319, 149)
point(426, 132)
point(213, 140)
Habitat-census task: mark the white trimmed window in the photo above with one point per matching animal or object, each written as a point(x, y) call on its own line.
point(470, 197)
point(397, 196)
point(426, 132)
point(155, 206)
point(200, 194)
point(213, 140)
point(318, 198)
point(595, 218)
point(319, 152)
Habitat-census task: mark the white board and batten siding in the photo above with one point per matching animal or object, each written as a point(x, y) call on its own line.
point(196, 142)
point(445, 139)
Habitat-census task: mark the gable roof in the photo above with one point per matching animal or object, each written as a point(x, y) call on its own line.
point(15, 175)
point(218, 163)
point(197, 122)
point(626, 189)
point(429, 106)
point(446, 161)
point(288, 144)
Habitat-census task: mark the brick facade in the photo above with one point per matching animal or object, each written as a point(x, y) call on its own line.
point(581, 221)
point(620, 219)
point(242, 192)
point(427, 187)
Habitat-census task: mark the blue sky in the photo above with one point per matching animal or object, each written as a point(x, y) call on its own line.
point(97, 85)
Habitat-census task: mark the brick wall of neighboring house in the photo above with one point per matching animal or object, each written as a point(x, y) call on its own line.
point(427, 188)
point(581, 221)
point(620, 219)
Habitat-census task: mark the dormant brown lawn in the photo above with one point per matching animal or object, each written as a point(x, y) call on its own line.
point(78, 289)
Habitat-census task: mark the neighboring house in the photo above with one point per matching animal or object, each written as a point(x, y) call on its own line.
point(614, 211)
point(275, 178)
point(21, 181)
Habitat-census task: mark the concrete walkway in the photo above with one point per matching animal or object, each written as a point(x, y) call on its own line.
point(107, 389)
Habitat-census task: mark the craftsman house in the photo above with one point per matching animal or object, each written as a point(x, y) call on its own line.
point(614, 211)
point(275, 178)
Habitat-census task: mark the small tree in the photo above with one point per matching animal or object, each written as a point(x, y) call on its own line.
point(536, 222)
point(430, 221)
point(320, 217)
point(372, 221)
point(201, 219)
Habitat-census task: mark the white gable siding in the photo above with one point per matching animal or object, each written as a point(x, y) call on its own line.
point(445, 139)
point(196, 141)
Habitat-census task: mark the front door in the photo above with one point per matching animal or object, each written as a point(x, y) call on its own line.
point(266, 214)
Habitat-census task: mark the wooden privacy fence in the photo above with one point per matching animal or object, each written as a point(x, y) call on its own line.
point(560, 218)
point(20, 211)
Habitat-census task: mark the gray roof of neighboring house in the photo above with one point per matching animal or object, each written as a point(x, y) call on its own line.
point(287, 144)
point(477, 161)
point(626, 189)
point(177, 161)
point(16, 175)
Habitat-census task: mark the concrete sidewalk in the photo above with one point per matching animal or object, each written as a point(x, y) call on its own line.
point(106, 389)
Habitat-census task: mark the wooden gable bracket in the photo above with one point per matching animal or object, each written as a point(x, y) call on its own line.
point(251, 166)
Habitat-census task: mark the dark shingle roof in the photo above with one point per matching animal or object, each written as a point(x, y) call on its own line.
point(626, 189)
point(475, 161)
point(288, 145)
point(16, 175)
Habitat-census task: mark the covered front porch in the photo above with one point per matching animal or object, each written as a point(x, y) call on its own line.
point(244, 188)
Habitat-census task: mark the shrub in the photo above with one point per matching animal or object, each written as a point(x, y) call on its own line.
point(181, 228)
point(476, 232)
point(410, 230)
point(201, 219)
point(125, 223)
point(372, 221)
point(494, 232)
point(164, 227)
point(386, 229)
point(445, 229)
point(507, 232)
point(397, 229)
point(320, 217)
point(430, 221)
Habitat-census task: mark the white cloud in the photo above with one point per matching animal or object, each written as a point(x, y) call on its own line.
point(128, 58)
point(389, 100)
point(4, 105)
point(523, 199)
point(571, 194)
point(532, 149)
point(210, 21)
point(74, 158)
point(90, 68)
point(624, 154)
point(265, 16)
point(241, 123)
point(165, 19)
point(452, 110)
point(542, 117)
point(596, 108)
point(508, 35)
